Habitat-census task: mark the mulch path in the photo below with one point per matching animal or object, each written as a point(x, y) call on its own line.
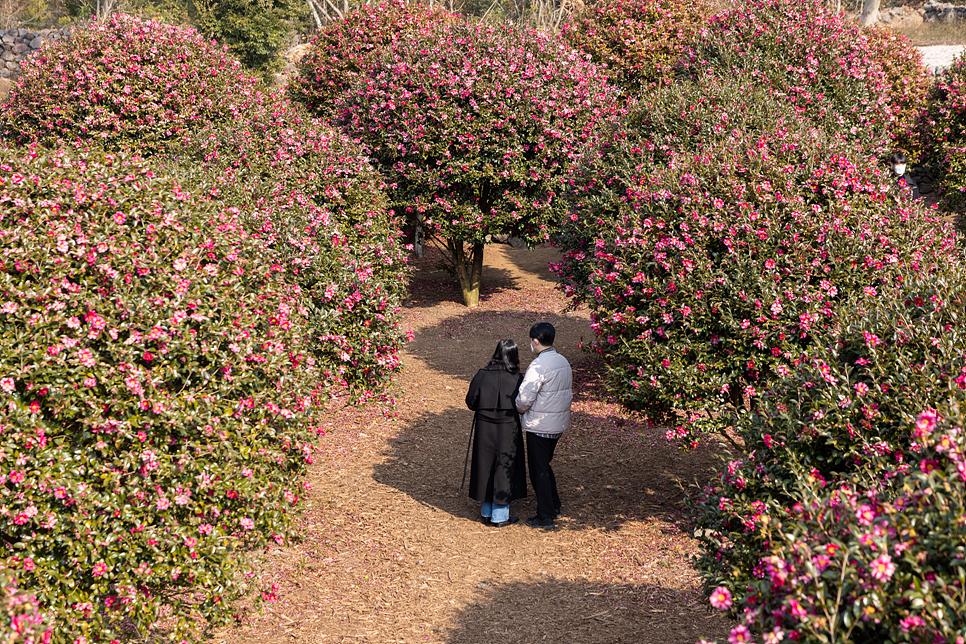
point(393, 551)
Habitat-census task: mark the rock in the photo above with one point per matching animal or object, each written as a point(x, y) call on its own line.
point(13, 65)
point(516, 242)
point(20, 48)
point(8, 39)
point(912, 19)
point(5, 73)
point(36, 42)
point(5, 85)
point(8, 55)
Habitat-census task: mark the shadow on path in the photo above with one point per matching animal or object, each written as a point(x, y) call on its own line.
point(610, 467)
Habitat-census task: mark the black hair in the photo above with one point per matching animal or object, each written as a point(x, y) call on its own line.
point(506, 355)
point(898, 158)
point(544, 333)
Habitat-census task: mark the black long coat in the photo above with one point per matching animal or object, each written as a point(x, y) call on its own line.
point(497, 474)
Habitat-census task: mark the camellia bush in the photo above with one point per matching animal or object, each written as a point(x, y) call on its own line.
point(318, 208)
point(638, 42)
point(123, 83)
point(714, 237)
point(343, 48)
point(856, 83)
point(834, 481)
point(946, 133)
point(474, 127)
point(158, 394)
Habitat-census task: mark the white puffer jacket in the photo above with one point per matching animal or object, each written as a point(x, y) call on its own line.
point(545, 395)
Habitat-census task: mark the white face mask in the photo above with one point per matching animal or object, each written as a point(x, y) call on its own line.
point(531, 348)
point(900, 169)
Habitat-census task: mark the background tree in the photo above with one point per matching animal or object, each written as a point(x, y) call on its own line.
point(254, 30)
point(474, 127)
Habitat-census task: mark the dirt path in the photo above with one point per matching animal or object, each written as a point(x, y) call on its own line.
point(394, 552)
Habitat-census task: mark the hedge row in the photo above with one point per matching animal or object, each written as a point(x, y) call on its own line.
point(172, 326)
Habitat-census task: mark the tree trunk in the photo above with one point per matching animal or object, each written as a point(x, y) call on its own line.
point(870, 13)
point(418, 236)
point(469, 269)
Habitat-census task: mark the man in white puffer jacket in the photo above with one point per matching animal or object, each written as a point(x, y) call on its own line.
point(544, 400)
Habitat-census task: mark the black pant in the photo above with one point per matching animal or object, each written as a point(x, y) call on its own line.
point(539, 454)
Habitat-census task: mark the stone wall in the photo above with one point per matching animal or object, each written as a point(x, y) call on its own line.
point(934, 11)
point(18, 44)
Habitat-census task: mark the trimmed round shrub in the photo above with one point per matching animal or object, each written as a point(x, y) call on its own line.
point(834, 469)
point(474, 128)
point(157, 396)
point(343, 48)
point(317, 206)
point(810, 57)
point(715, 235)
point(123, 83)
point(946, 134)
point(639, 42)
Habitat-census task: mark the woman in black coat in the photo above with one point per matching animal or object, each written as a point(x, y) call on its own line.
point(497, 475)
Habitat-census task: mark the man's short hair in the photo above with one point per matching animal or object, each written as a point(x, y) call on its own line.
point(544, 333)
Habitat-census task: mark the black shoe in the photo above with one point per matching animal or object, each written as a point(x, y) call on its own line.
point(544, 524)
point(503, 524)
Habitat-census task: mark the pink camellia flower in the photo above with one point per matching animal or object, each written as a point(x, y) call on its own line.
point(926, 423)
point(721, 598)
point(881, 568)
point(7, 385)
point(775, 636)
point(795, 609)
point(247, 523)
point(99, 569)
point(910, 623)
point(86, 358)
point(90, 382)
point(861, 388)
point(28, 564)
point(739, 635)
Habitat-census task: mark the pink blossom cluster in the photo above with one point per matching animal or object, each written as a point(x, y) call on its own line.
point(20, 614)
point(871, 564)
point(638, 42)
point(945, 133)
point(153, 356)
point(474, 126)
point(716, 236)
point(842, 472)
point(318, 205)
point(343, 48)
point(861, 84)
point(123, 82)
